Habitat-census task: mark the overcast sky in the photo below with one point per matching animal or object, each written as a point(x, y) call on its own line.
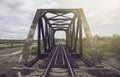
point(16, 15)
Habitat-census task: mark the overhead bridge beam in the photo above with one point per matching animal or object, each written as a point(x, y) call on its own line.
point(59, 24)
point(59, 29)
point(59, 19)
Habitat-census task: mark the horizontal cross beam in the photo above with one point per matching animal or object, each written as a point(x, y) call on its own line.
point(59, 19)
point(59, 24)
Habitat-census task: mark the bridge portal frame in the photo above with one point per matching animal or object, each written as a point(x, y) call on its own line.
point(72, 34)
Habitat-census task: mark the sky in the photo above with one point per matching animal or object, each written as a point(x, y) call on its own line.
point(16, 16)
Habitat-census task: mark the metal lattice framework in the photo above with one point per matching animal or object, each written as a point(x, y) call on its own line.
point(51, 20)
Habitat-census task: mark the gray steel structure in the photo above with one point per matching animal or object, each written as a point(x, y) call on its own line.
point(48, 22)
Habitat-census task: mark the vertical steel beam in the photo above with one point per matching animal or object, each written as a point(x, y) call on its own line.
point(73, 36)
point(47, 33)
point(80, 36)
point(48, 36)
point(39, 38)
point(53, 38)
point(66, 37)
point(73, 32)
point(50, 31)
point(70, 31)
point(76, 36)
point(69, 39)
point(43, 35)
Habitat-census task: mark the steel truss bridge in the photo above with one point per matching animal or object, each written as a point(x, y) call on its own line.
point(61, 59)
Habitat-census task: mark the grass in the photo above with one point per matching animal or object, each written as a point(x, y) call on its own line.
point(33, 51)
point(104, 49)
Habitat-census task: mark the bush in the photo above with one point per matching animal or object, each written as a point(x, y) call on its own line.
point(115, 45)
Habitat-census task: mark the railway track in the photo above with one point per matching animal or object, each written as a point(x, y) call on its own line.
point(60, 64)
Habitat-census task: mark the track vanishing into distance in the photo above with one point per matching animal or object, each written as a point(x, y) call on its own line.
point(60, 64)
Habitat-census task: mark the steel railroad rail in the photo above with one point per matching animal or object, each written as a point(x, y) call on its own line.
point(59, 57)
point(50, 62)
